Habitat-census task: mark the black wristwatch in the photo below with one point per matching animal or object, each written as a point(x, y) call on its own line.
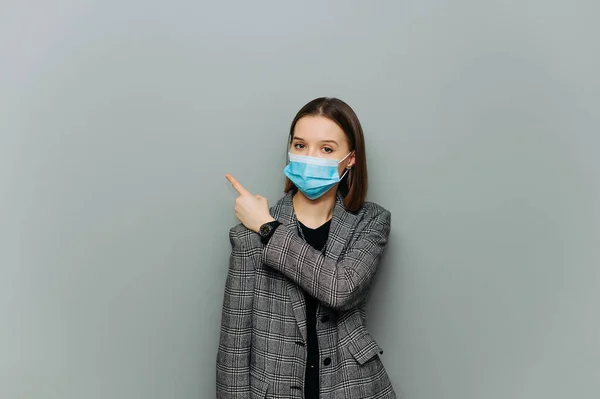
point(266, 230)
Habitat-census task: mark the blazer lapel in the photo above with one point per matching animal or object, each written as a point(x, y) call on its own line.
point(341, 224)
point(284, 212)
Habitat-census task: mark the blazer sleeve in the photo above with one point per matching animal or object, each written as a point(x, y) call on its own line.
point(340, 284)
point(233, 356)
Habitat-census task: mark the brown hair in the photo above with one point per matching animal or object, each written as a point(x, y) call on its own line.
point(353, 186)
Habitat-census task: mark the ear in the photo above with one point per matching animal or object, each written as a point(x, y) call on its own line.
point(351, 160)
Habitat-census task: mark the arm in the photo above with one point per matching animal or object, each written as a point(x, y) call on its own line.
point(339, 285)
point(233, 357)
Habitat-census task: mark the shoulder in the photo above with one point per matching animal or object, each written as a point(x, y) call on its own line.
point(243, 237)
point(371, 220)
point(371, 210)
point(239, 231)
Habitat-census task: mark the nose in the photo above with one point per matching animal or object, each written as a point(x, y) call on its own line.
point(313, 152)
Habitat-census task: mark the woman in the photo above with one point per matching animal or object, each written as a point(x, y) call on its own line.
point(293, 322)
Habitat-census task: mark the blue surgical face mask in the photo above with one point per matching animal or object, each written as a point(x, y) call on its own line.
point(312, 175)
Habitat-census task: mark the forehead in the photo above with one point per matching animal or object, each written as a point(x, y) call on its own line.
point(318, 128)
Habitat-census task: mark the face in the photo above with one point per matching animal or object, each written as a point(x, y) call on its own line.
point(317, 136)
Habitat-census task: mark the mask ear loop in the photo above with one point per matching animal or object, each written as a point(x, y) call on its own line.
point(348, 171)
point(344, 174)
point(348, 168)
point(347, 155)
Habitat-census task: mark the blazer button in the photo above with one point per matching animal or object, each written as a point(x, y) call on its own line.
point(327, 361)
point(325, 319)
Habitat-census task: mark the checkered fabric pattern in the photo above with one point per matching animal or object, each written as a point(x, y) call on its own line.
point(262, 347)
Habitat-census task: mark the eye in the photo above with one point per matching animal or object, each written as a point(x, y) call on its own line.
point(327, 150)
point(299, 146)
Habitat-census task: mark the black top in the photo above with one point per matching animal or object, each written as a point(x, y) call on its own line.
point(317, 239)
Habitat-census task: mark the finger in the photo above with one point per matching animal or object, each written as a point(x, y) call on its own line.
point(236, 185)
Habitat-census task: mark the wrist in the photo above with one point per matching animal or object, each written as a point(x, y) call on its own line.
point(264, 221)
point(267, 229)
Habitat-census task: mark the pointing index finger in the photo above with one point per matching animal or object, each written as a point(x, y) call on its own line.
point(236, 185)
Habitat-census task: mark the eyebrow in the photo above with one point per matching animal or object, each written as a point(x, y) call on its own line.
point(322, 141)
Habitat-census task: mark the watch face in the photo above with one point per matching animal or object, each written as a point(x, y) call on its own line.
point(265, 229)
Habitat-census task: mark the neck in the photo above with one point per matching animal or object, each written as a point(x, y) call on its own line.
point(314, 213)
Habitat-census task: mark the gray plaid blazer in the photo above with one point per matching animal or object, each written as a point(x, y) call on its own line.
point(262, 347)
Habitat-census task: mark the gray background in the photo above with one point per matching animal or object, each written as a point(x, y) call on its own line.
point(119, 119)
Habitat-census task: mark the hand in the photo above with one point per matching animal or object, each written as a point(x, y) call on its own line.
point(251, 210)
